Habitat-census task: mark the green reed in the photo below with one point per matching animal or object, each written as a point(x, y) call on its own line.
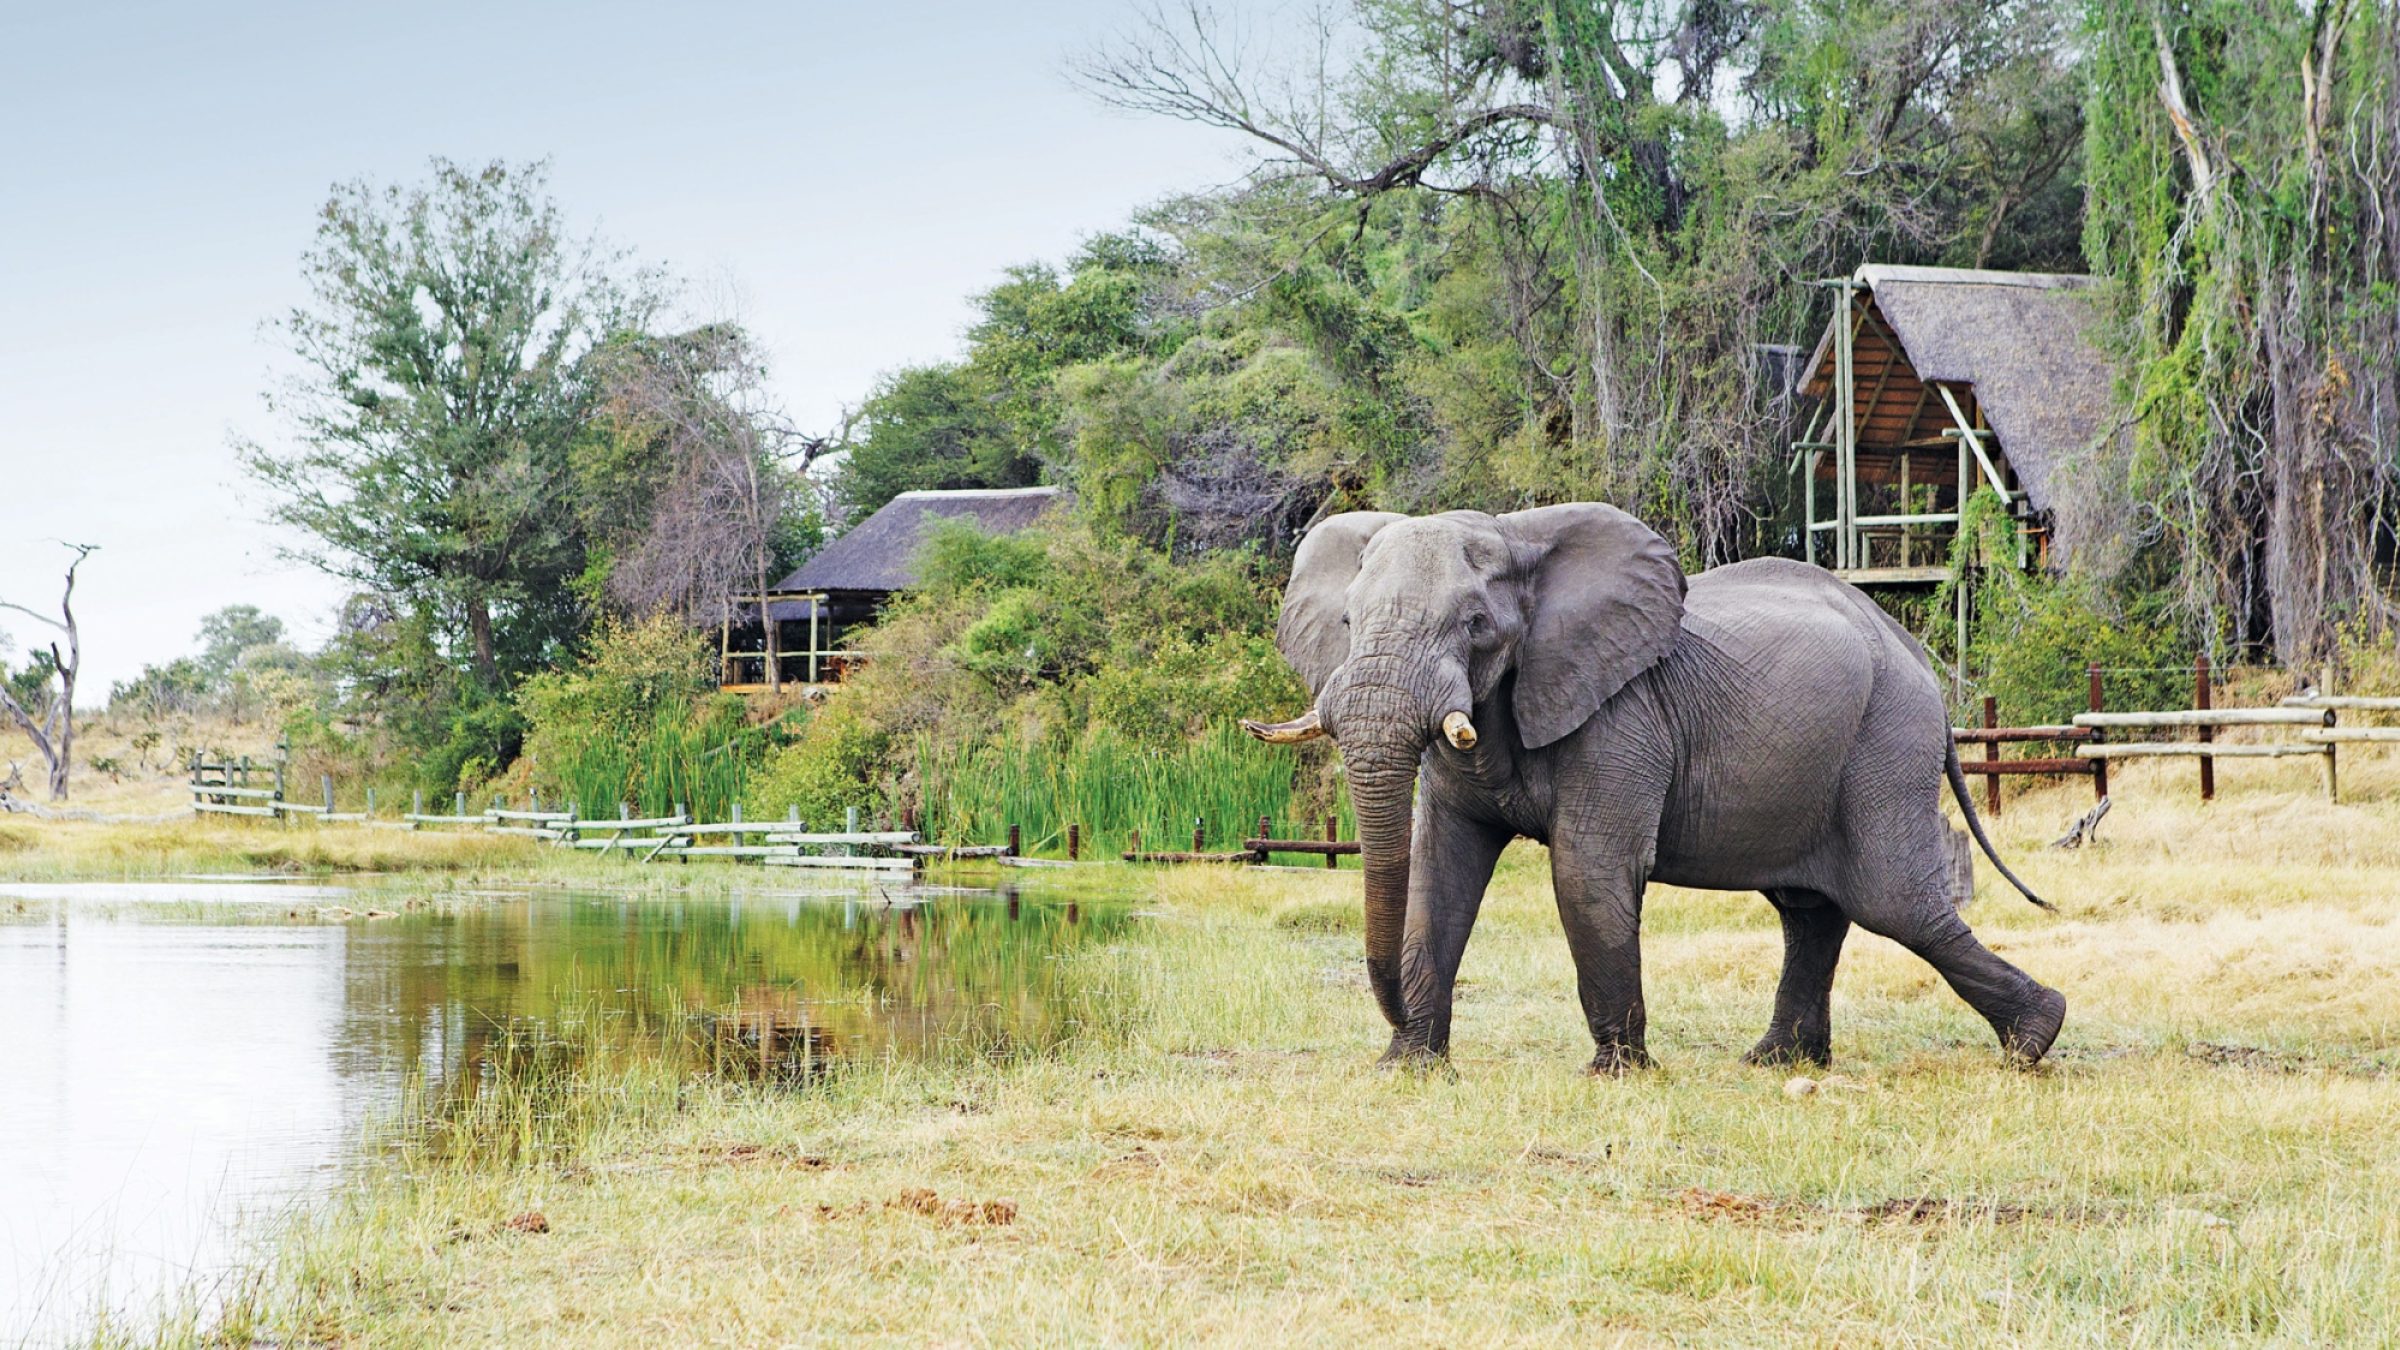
point(699, 759)
point(1111, 788)
point(596, 772)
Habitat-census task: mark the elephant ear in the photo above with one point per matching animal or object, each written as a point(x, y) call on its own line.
point(1311, 634)
point(1607, 601)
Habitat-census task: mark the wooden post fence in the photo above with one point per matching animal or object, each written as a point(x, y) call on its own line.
point(2099, 766)
point(1991, 755)
point(2200, 700)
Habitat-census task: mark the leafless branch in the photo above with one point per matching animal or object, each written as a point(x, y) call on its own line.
point(54, 734)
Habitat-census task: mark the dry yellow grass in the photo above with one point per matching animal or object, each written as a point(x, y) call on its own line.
point(138, 781)
point(2211, 1157)
point(52, 850)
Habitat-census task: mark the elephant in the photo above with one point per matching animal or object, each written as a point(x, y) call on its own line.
point(1551, 673)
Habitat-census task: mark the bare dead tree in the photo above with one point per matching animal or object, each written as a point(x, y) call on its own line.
point(729, 457)
point(54, 734)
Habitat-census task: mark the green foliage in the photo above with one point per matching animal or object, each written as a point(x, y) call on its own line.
point(930, 427)
point(956, 558)
point(431, 427)
point(1053, 671)
point(2248, 308)
point(836, 763)
point(2032, 638)
point(699, 757)
point(629, 673)
point(1111, 787)
point(989, 420)
point(231, 634)
point(31, 686)
point(638, 722)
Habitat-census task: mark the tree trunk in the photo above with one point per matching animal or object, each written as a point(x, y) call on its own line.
point(54, 735)
point(62, 761)
point(767, 624)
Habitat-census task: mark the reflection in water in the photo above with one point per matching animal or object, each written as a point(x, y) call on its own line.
point(164, 1069)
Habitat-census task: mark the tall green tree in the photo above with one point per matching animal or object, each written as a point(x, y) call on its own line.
point(932, 426)
point(232, 633)
point(1545, 239)
point(437, 400)
point(993, 420)
point(2245, 193)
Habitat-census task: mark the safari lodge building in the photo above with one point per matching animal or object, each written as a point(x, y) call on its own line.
point(1929, 384)
point(818, 609)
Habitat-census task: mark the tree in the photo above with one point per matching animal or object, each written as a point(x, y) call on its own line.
point(684, 426)
point(438, 401)
point(2245, 173)
point(53, 735)
point(230, 633)
point(930, 427)
point(992, 421)
point(1639, 190)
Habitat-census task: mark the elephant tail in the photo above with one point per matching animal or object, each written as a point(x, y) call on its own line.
point(1966, 806)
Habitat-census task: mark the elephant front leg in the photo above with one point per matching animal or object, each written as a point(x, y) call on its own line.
point(1450, 866)
point(1801, 1028)
point(1601, 908)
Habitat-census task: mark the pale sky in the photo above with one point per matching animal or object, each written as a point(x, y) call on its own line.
point(840, 177)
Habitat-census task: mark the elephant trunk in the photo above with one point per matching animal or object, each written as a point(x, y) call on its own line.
point(1384, 726)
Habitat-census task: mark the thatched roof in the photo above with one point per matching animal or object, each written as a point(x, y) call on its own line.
point(2025, 341)
point(879, 553)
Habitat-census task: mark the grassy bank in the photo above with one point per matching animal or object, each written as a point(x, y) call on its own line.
point(64, 850)
point(2209, 1157)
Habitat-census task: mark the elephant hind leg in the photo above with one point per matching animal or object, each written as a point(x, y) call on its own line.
point(2024, 1013)
point(1801, 1029)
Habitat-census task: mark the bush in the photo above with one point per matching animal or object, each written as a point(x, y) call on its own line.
point(1052, 676)
point(638, 722)
point(2032, 638)
point(832, 765)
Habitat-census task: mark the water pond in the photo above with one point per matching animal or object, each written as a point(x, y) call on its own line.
point(180, 1061)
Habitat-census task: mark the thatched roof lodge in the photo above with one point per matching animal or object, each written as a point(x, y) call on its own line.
point(849, 581)
point(1933, 377)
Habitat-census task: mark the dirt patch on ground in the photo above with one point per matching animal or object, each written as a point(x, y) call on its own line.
point(922, 1200)
point(774, 1155)
point(1906, 1209)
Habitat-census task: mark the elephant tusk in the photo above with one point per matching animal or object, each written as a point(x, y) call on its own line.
point(1459, 731)
point(1305, 727)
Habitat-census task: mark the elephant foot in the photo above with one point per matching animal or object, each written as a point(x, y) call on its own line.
point(2027, 1036)
point(1615, 1061)
point(1783, 1047)
point(1414, 1057)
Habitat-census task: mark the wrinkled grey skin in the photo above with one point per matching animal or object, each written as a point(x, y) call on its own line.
point(1765, 728)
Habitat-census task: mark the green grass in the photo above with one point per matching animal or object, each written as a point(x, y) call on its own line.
point(1113, 789)
point(1212, 1159)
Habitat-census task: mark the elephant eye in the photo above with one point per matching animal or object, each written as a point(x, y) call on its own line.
point(1345, 618)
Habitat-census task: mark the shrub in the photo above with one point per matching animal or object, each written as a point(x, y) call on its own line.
point(638, 722)
point(2032, 637)
point(832, 765)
